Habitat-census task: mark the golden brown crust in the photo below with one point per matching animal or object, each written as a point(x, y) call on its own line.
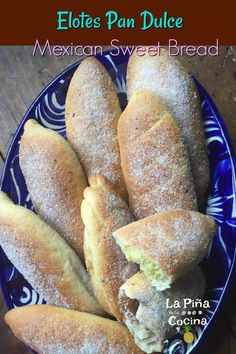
point(154, 159)
point(55, 181)
point(44, 258)
point(49, 329)
point(92, 113)
point(175, 240)
point(103, 211)
point(166, 77)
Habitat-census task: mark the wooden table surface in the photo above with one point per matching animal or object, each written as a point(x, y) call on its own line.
point(22, 77)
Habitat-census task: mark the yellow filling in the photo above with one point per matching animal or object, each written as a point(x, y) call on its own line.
point(152, 270)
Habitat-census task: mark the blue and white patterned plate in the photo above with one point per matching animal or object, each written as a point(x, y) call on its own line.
point(48, 109)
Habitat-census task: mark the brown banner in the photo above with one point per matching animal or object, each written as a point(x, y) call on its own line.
point(93, 22)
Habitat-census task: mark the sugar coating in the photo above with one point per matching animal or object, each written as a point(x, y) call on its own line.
point(55, 181)
point(24, 257)
point(165, 76)
point(174, 240)
point(95, 345)
point(103, 211)
point(44, 259)
point(154, 158)
point(92, 113)
point(53, 330)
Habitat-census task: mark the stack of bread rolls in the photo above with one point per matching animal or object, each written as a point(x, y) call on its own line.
point(117, 229)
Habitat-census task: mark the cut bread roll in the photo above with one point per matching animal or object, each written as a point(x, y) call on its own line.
point(154, 159)
point(167, 245)
point(147, 312)
point(44, 258)
point(55, 181)
point(166, 77)
point(53, 330)
point(103, 211)
point(92, 113)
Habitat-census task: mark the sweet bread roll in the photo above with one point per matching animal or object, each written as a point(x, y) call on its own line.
point(154, 159)
point(55, 181)
point(92, 113)
point(147, 312)
point(103, 211)
point(166, 77)
point(44, 258)
point(53, 330)
point(167, 245)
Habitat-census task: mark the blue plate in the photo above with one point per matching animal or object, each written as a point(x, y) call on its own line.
point(48, 109)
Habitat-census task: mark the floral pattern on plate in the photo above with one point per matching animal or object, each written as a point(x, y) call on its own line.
point(49, 108)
